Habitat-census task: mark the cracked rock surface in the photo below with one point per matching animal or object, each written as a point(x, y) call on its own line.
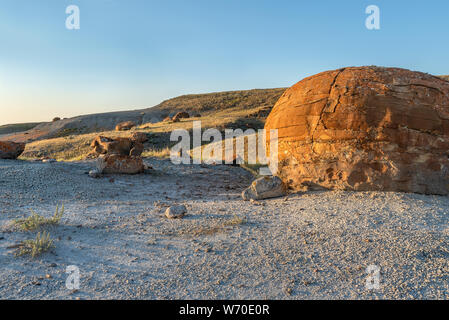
point(365, 128)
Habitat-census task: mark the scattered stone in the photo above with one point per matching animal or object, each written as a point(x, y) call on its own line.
point(11, 150)
point(176, 212)
point(264, 188)
point(94, 174)
point(364, 129)
point(49, 160)
point(255, 202)
point(125, 126)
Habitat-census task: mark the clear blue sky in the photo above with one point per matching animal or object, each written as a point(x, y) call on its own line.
point(135, 53)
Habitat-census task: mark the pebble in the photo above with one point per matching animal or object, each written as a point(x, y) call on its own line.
point(176, 212)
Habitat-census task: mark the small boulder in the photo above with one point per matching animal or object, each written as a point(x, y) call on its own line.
point(264, 188)
point(179, 116)
point(176, 212)
point(94, 174)
point(139, 137)
point(125, 126)
point(11, 150)
point(117, 163)
point(48, 160)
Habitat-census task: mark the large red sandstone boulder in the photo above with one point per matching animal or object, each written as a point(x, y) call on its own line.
point(366, 128)
point(11, 150)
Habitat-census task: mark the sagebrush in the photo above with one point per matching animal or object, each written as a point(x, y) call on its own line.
point(35, 247)
point(36, 221)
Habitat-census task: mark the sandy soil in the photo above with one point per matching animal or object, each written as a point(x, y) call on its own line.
point(306, 246)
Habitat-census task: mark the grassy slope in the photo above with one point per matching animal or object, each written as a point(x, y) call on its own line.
point(18, 127)
point(238, 109)
point(220, 101)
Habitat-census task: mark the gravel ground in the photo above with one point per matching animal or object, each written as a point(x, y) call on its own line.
point(315, 245)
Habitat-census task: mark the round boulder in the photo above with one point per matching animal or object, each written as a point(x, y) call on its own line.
point(11, 150)
point(117, 163)
point(364, 128)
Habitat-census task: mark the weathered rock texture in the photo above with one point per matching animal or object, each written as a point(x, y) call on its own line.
point(123, 146)
point(117, 163)
point(366, 128)
point(119, 155)
point(11, 150)
point(139, 136)
point(264, 188)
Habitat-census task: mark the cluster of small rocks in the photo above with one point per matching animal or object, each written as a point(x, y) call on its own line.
point(118, 155)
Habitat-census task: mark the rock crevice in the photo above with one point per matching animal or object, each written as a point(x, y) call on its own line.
point(364, 128)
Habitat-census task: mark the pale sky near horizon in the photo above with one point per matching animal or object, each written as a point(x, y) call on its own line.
point(134, 54)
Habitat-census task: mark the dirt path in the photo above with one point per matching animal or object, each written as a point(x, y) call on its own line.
point(315, 245)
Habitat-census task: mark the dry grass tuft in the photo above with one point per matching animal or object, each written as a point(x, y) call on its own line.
point(157, 153)
point(36, 221)
point(35, 247)
point(236, 220)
